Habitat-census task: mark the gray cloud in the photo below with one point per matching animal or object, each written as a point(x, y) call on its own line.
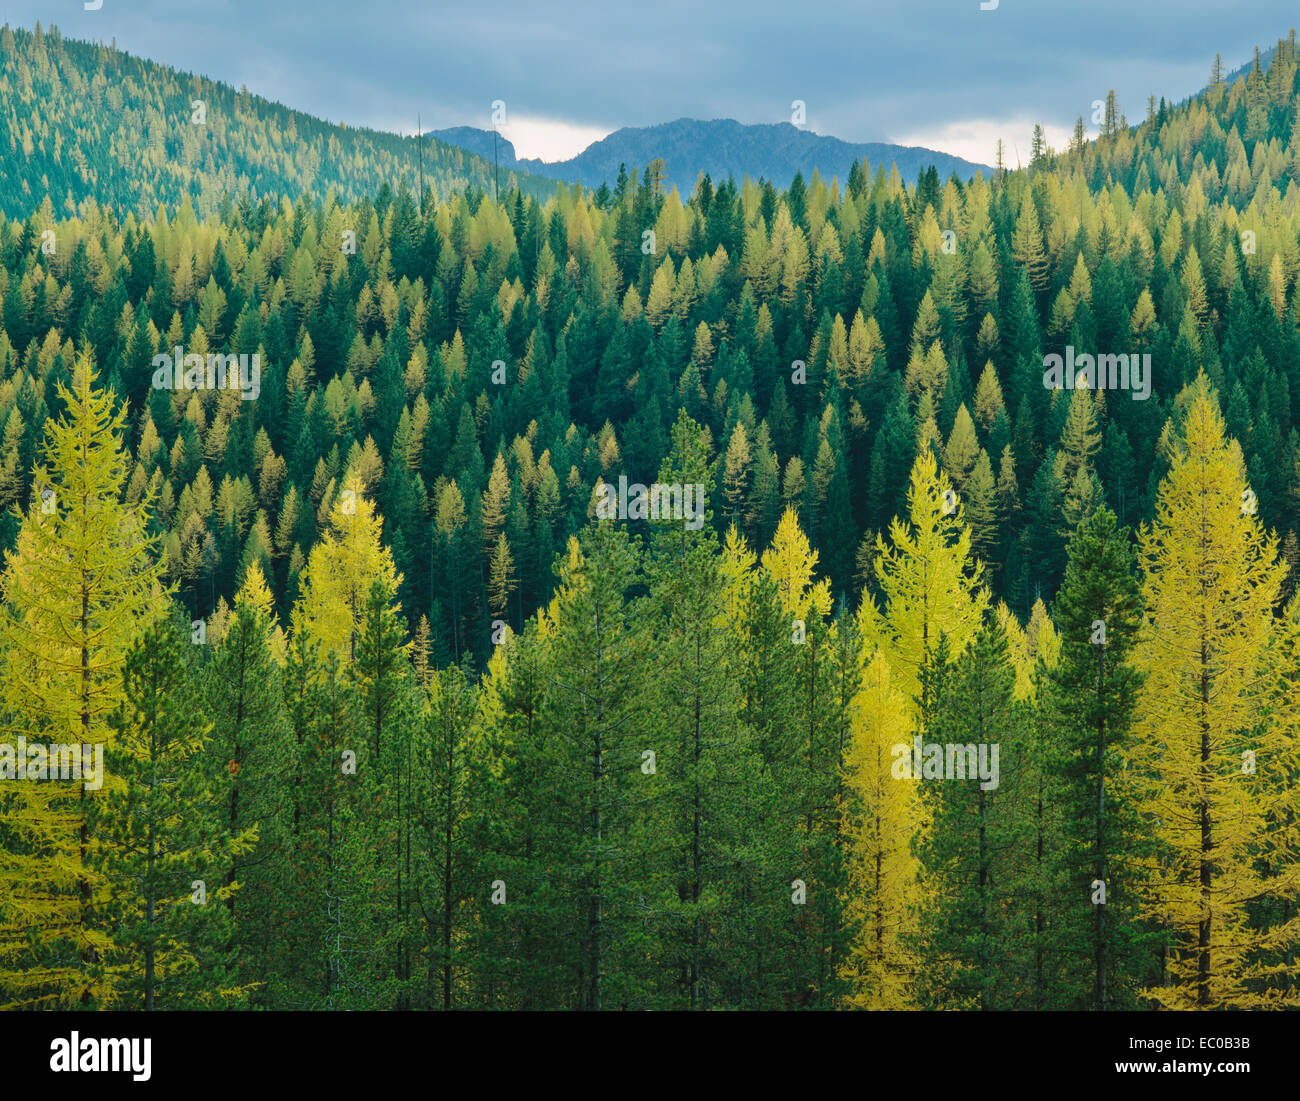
point(868, 69)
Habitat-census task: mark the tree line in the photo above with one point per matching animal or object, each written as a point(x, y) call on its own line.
point(681, 785)
point(392, 719)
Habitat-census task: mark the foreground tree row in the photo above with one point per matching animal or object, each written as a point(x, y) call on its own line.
point(687, 782)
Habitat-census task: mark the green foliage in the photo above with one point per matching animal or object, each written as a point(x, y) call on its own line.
point(161, 839)
point(1089, 698)
point(453, 741)
point(132, 133)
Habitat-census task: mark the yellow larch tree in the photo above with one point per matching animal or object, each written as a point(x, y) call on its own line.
point(340, 571)
point(931, 587)
point(79, 586)
point(792, 563)
point(930, 581)
point(881, 813)
point(1204, 767)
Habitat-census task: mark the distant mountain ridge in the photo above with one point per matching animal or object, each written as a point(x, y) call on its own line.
point(720, 147)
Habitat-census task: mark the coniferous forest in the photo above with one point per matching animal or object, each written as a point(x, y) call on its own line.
point(967, 691)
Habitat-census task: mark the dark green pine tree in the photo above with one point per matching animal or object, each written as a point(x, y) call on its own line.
point(692, 805)
point(493, 833)
point(594, 716)
point(771, 710)
point(891, 462)
point(845, 676)
point(447, 824)
point(329, 952)
point(810, 781)
point(975, 917)
point(242, 695)
point(304, 980)
point(384, 682)
point(1043, 548)
point(160, 838)
point(1089, 699)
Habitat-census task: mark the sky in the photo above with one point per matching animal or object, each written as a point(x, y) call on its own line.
point(944, 74)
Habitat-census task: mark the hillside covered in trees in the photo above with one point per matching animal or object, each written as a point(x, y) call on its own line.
point(435, 734)
point(83, 121)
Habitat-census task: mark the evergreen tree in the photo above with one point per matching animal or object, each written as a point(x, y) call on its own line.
point(975, 902)
point(884, 885)
point(1212, 579)
point(1090, 696)
point(250, 742)
point(159, 839)
point(79, 584)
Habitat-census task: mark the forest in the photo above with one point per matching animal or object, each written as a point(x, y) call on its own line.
point(93, 122)
point(393, 718)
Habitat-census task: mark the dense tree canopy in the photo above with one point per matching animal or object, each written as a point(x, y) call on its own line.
point(454, 740)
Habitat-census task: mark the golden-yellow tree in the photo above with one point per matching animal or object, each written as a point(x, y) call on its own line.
point(792, 564)
point(340, 571)
point(1204, 766)
point(930, 580)
point(883, 891)
point(931, 586)
point(80, 584)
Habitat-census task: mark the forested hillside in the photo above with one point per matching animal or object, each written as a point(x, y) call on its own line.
point(87, 122)
point(436, 735)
